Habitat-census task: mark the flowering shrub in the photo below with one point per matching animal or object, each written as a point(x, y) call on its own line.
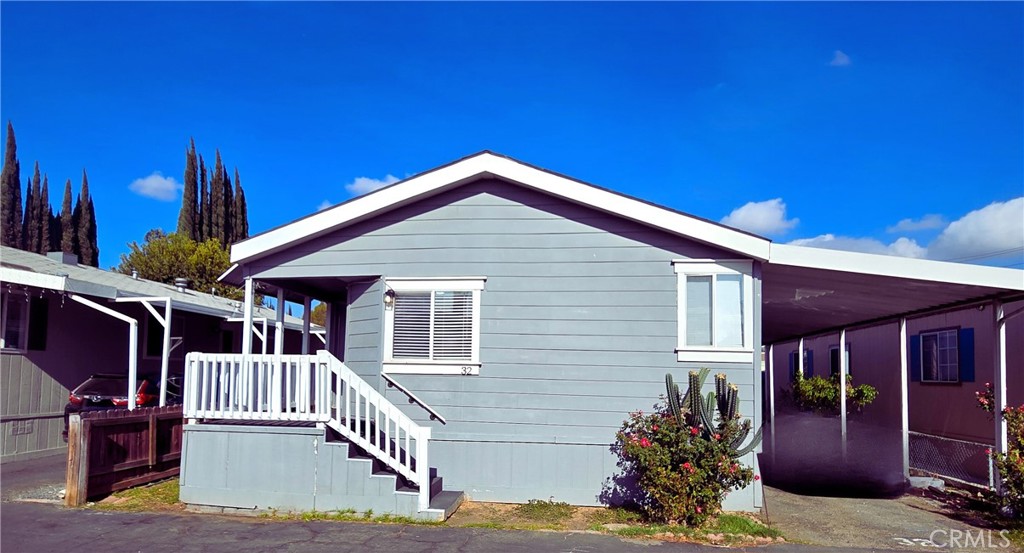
point(1010, 464)
point(822, 394)
point(684, 469)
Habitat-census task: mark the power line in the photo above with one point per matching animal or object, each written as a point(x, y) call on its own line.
point(983, 255)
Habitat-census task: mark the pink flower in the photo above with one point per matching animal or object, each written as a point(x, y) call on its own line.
point(988, 451)
point(644, 442)
point(694, 431)
point(756, 478)
point(699, 510)
point(718, 436)
point(654, 427)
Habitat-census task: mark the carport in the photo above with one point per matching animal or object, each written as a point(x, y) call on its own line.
point(809, 293)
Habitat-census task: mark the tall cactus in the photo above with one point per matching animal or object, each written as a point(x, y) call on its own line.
point(692, 411)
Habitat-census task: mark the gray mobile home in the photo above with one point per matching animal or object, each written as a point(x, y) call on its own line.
point(493, 324)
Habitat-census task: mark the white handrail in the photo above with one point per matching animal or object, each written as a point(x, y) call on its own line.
point(413, 398)
point(311, 388)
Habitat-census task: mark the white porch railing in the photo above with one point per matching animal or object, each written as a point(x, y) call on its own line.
point(312, 388)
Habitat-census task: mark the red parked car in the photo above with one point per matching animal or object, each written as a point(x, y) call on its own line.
point(107, 391)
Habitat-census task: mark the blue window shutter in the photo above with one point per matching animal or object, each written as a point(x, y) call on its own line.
point(809, 364)
point(792, 366)
point(965, 348)
point(915, 358)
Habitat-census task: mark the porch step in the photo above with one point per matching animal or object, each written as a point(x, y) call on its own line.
point(349, 478)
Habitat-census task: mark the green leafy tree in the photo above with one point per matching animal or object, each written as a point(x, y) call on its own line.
point(188, 217)
point(165, 257)
point(318, 315)
point(10, 194)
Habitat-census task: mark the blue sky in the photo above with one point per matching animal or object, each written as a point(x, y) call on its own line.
point(889, 127)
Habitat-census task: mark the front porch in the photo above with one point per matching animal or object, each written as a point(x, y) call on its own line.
point(326, 440)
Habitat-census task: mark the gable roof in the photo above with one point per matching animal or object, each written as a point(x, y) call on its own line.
point(488, 164)
point(32, 269)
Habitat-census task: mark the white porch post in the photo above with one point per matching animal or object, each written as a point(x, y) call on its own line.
point(842, 386)
point(279, 324)
point(247, 317)
point(999, 380)
point(904, 399)
point(264, 336)
point(305, 324)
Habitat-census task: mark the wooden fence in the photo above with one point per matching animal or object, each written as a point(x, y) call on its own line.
point(117, 449)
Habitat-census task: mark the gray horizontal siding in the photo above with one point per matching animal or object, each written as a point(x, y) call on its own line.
point(363, 327)
point(578, 312)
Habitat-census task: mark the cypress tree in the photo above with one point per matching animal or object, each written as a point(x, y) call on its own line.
point(54, 231)
point(88, 255)
point(229, 211)
point(10, 194)
point(68, 232)
point(241, 216)
point(217, 202)
point(30, 223)
point(44, 217)
point(188, 223)
point(204, 199)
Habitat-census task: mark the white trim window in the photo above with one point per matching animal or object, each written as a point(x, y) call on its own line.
point(716, 318)
point(940, 356)
point(432, 326)
point(15, 322)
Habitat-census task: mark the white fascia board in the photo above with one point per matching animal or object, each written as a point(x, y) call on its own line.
point(30, 278)
point(896, 267)
point(489, 164)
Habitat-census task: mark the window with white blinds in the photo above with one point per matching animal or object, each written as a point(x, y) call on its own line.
point(433, 327)
point(715, 309)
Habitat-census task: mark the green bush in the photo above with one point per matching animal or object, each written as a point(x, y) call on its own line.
point(684, 455)
point(1010, 464)
point(821, 395)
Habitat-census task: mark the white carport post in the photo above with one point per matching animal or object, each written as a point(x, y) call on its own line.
point(164, 321)
point(771, 393)
point(133, 344)
point(800, 358)
point(842, 386)
point(999, 380)
point(904, 399)
point(305, 324)
point(279, 324)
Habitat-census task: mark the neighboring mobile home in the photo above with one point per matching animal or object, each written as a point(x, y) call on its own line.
point(497, 322)
point(63, 321)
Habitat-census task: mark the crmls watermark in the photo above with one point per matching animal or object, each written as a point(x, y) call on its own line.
point(953, 538)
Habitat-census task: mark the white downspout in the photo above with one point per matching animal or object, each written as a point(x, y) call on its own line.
point(133, 344)
point(842, 387)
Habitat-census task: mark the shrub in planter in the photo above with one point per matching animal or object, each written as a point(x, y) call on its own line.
point(684, 454)
point(821, 395)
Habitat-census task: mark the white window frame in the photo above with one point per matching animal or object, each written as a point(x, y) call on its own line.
point(425, 366)
point(7, 299)
point(956, 358)
point(713, 268)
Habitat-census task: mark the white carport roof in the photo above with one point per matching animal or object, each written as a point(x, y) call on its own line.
point(808, 291)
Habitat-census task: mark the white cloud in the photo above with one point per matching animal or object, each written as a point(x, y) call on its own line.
point(767, 217)
point(904, 247)
point(362, 185)
point(927, 222)
point(324, 205)
point(996, 230)
point(156, 186)
point(839, 59)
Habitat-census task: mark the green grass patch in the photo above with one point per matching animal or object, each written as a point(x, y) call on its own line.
point(735, 524)
point(732, 528)
point(156, 496)
point(613, 515)
point(349, 515)
point(546, 511)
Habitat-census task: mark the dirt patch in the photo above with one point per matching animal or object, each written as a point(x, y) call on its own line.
point(508, 515)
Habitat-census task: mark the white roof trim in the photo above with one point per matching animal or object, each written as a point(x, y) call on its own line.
point(484, 164)
point(896, 267)
point(31, 278)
